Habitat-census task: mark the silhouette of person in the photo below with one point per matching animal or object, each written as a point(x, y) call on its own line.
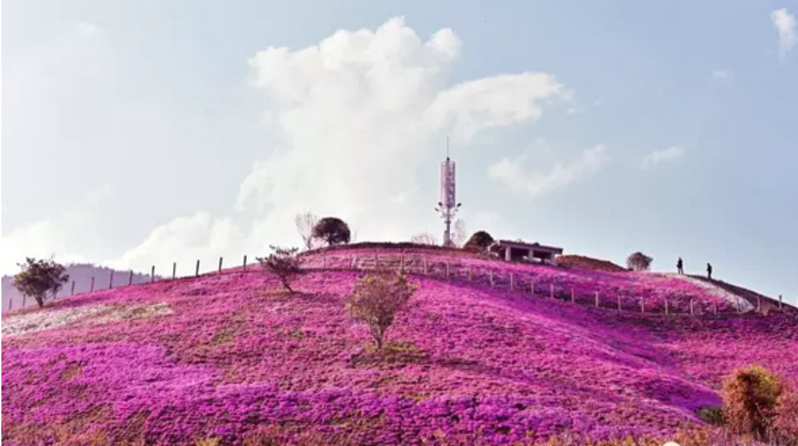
point(679, 266)
point(709, 271)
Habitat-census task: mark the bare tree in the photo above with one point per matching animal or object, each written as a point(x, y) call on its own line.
point(459, 235)
point(424, 238)
point(305, 224)
point(376, 299)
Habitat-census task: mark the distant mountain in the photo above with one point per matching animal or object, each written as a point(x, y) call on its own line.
point(81, 274)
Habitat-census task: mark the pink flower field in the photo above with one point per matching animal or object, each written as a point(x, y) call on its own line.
point(236, 356)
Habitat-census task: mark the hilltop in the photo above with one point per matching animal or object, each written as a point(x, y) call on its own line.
point(231, 356)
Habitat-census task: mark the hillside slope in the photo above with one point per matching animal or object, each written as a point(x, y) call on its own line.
point(81, 274)
point(233, 356)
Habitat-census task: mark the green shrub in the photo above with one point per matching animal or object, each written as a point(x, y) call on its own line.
point(712, 415)
point(479, 241)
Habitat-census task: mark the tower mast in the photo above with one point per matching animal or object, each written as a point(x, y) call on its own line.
point(448, 206)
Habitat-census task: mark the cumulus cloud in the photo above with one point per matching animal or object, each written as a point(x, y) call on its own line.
point(784, 23)
point(357, 115)
point(58, 236)
point(513, 174)
point(87, 29)
point(662, 156)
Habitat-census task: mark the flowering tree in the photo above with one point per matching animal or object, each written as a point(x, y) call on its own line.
point(39, 278)
point(283, 263)
point(376, 300)
point(639, 262)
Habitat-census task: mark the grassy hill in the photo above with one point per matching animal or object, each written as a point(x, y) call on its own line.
point(232, 357)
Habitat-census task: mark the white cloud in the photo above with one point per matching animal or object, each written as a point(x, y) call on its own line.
point(784, 23)
point(513, 174)
point(662, 156)
point(87, 29)
point(57, 236)
point(722, 75)
point(357, 115)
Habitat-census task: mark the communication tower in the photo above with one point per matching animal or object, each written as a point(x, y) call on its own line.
point(448, 206)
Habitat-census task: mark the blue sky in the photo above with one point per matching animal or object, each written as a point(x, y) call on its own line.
point(143, 133)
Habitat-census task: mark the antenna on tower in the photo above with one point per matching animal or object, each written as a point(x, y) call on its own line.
point(447, 147)
point(448, 206)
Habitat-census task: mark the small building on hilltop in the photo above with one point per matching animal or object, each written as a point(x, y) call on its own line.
point(518, 251)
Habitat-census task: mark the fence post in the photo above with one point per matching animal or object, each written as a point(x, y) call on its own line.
point(245, 262)
point(448, 274)
point(92, 284)
point(152, 274)
point(220, 264)
point(324, 259)
point(130, 278)
point(426, 265)
point(402, 263)
point(715, 305)
point(174, 270)
point(491, 278)
point(597, 299)
point(780, 308)
point(512, 282)
point(24, 298)
point(692, 310)
point(573, 298)
point(376, 260)
point(643, 305)
point(619, 302)
point(551, 291)
point(666, 305)
point(196, 271)
point(352, 262)
point(72, 293)
point(470, 274)
point(10, 304)
point(531, 286)
point(111, 280)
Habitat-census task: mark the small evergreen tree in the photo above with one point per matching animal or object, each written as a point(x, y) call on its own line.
point(639, 262)
point(283, 263)
point(332, 230)
point(376, 299)
point(40, 278)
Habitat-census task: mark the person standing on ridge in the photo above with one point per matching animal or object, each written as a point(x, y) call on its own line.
point(679, 265)
point(709, 271)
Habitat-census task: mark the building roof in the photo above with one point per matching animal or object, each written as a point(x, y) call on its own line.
point(524, 245)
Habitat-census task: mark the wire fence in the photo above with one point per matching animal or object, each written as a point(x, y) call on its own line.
point(431, 266)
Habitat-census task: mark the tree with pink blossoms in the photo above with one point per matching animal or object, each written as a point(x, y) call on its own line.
point(376, 300)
